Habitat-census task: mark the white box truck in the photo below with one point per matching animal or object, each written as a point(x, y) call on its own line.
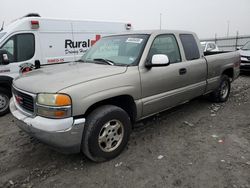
point(32, 41)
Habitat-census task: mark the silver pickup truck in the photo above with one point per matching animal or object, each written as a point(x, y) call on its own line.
point(90, 106)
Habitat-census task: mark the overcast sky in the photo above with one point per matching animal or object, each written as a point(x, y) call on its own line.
point(205, 17)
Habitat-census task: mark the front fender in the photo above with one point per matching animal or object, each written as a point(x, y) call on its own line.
point(94, 98)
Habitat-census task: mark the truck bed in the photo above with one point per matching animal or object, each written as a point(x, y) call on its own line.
point(218, 61)
point(214, 53)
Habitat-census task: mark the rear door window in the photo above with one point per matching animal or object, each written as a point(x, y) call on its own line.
point(190, 46)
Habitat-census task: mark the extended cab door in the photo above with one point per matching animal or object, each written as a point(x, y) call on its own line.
point(168, 86)
point(195, 65)
point(21, 52)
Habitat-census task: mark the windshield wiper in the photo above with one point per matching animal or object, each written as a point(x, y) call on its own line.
point(80, 60)
point(107, 61)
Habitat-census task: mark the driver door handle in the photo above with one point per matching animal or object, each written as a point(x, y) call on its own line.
point(182, 71)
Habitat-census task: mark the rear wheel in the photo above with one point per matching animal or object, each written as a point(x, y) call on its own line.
point(4, 101)
point(106, 133)
point(221, 94)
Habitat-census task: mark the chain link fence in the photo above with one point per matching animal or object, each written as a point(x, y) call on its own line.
point(229, 43)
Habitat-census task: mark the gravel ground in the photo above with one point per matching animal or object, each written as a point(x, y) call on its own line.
point(198, 144)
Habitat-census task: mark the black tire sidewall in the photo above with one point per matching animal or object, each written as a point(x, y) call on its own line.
point(95, 123)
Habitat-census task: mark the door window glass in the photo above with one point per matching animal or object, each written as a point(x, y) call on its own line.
point(166, 44)
point(9, 47)
point(25, 47)
point(20, 47)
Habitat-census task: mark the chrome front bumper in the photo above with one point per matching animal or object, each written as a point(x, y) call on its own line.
point(245, 66)
point(64, 135)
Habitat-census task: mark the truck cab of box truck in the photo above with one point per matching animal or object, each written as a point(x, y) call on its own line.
point(33, 41)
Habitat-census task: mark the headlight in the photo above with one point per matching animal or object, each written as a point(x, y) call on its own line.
point(54, 105)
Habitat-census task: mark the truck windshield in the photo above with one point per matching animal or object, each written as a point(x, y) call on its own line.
point(117, 50)
point(2, 34)
point(246, 46)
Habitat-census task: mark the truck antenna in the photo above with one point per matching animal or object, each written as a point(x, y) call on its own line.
point(2, 26)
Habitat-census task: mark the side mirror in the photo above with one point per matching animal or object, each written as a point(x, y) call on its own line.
point(159, 60)
point(4, 59)
point(37, 64)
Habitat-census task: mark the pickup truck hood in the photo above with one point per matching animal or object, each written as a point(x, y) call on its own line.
point(245, 53)
point(54, 78)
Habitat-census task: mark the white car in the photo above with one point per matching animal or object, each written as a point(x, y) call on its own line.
point(209, 47)
point(245, 57)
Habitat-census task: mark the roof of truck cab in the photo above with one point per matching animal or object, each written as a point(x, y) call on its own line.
point(156, 32)
point(206, 42)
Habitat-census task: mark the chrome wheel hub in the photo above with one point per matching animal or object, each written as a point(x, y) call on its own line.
point(111, 135)
point(224, 89)
point(4, 100)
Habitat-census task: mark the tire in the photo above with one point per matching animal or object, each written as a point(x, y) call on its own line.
point(221, 94)
point(5, 96)
point(106, 133)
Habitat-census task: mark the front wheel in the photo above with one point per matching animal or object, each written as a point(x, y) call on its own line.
point(4, 101)
point(106, 133)
point(221, 94)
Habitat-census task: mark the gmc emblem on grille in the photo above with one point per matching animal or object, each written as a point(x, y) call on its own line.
point(19, 99)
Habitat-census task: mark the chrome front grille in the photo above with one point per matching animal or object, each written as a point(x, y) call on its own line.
point(247, 57)
point(24, 100)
